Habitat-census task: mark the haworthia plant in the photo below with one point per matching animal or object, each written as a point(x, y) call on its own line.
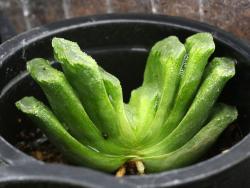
point(169, 122)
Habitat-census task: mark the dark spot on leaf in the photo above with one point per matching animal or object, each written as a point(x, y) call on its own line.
point(105, 136)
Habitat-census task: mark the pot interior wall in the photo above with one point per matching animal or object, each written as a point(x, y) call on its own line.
point(122, 50)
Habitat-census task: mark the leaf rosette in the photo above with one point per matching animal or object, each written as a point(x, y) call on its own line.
point(170, 121)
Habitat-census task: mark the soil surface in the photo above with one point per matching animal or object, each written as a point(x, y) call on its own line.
point(35, 143)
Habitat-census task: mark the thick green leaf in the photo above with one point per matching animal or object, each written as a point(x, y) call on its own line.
point(197, 146)
point(85, 77)
point(70, 147)
point(222, 70)
point(199, 48)
point(67, 106)
point(152, 102)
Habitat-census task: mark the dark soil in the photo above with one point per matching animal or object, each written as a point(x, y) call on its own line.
point(35, 143)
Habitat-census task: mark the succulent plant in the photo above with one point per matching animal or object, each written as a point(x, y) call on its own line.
point(170, 121)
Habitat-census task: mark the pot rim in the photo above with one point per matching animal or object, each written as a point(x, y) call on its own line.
point(236, 154)
point(59, 174)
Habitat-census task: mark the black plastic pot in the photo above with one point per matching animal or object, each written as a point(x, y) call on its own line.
point(120, 44)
